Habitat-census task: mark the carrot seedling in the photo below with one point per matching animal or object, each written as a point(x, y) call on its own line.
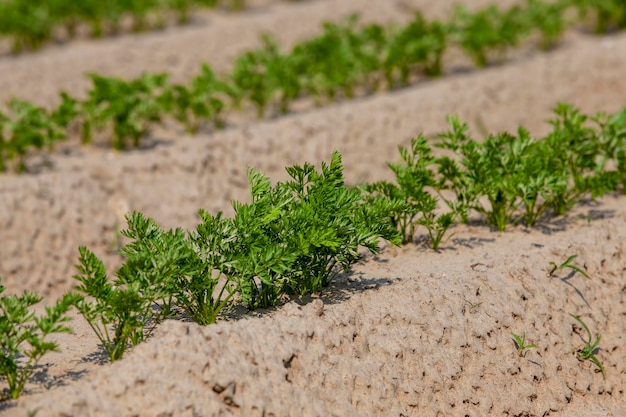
point(586, 350)
point(520, 344)
point(568, 264)
point(473, 307)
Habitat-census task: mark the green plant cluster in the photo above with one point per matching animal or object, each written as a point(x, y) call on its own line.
point(28, 126)
point(23, 336)
point(345, 59)
point(506, 178)
point(290, 240)
point(31, 23)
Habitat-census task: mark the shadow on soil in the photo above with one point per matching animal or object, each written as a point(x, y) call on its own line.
point(42, 378)
point(566, 280)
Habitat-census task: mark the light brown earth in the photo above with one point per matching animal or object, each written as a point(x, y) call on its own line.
point(397, 335)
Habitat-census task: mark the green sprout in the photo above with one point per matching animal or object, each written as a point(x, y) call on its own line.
point(520, 343)
point(568, 264)
point(586, 350)
point(473, 307)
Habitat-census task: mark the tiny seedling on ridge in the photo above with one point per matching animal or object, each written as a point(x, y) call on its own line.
point(520, 342)
point(585, 351)
point(473, 307)
point(568, 264)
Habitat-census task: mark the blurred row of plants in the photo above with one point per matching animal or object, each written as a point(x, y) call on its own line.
point(294, 237)
point(345, 59)
point(31, 23)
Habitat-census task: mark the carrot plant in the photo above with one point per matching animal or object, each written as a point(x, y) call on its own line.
point(117, 313)
point(489, 168)
point(489, 29)
point(249, 77)
point(547, 18)
point(574, 151)
point(291, 239)
point(23, 337)
point(30, 24)
point(327, 223)
point(203, 99)
point(608, 14)
point(124, 312)
point(413, 203)
point(295, 237)
point(283, 73)
point(611, 136)
point(452, 176)
point(27, 126)
point(66, 112)
point(511, 171)
point(127, 106)
point(335, 61)
point(257, 259)
point(3, 143)
point(162, 270)
point(420, 43)
point(539, 184)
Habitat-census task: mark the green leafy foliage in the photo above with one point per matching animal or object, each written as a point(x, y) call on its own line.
point(489, 29)
point(295, 237)
point(202, 100)
point(257, 258)
point(291, 239)
point(412, 202)
point(488, 169)
point(266, 74)
point(30, 23)
point(283, 73)
point(27, 126)
point(327, 222)
point(205, 294)
point(506, 178)
point(3, 144)
point(117, 313)
point(549, 19)
point(163, 270)
point(608, 14)
point(23, 337)
point(611, 138)
point(538, 185)
point(128, 106)
point(574, 152)
point(518, 171)
point(420, 43)
point(334, 61)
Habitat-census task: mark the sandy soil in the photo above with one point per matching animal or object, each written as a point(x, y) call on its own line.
point(395, 337)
